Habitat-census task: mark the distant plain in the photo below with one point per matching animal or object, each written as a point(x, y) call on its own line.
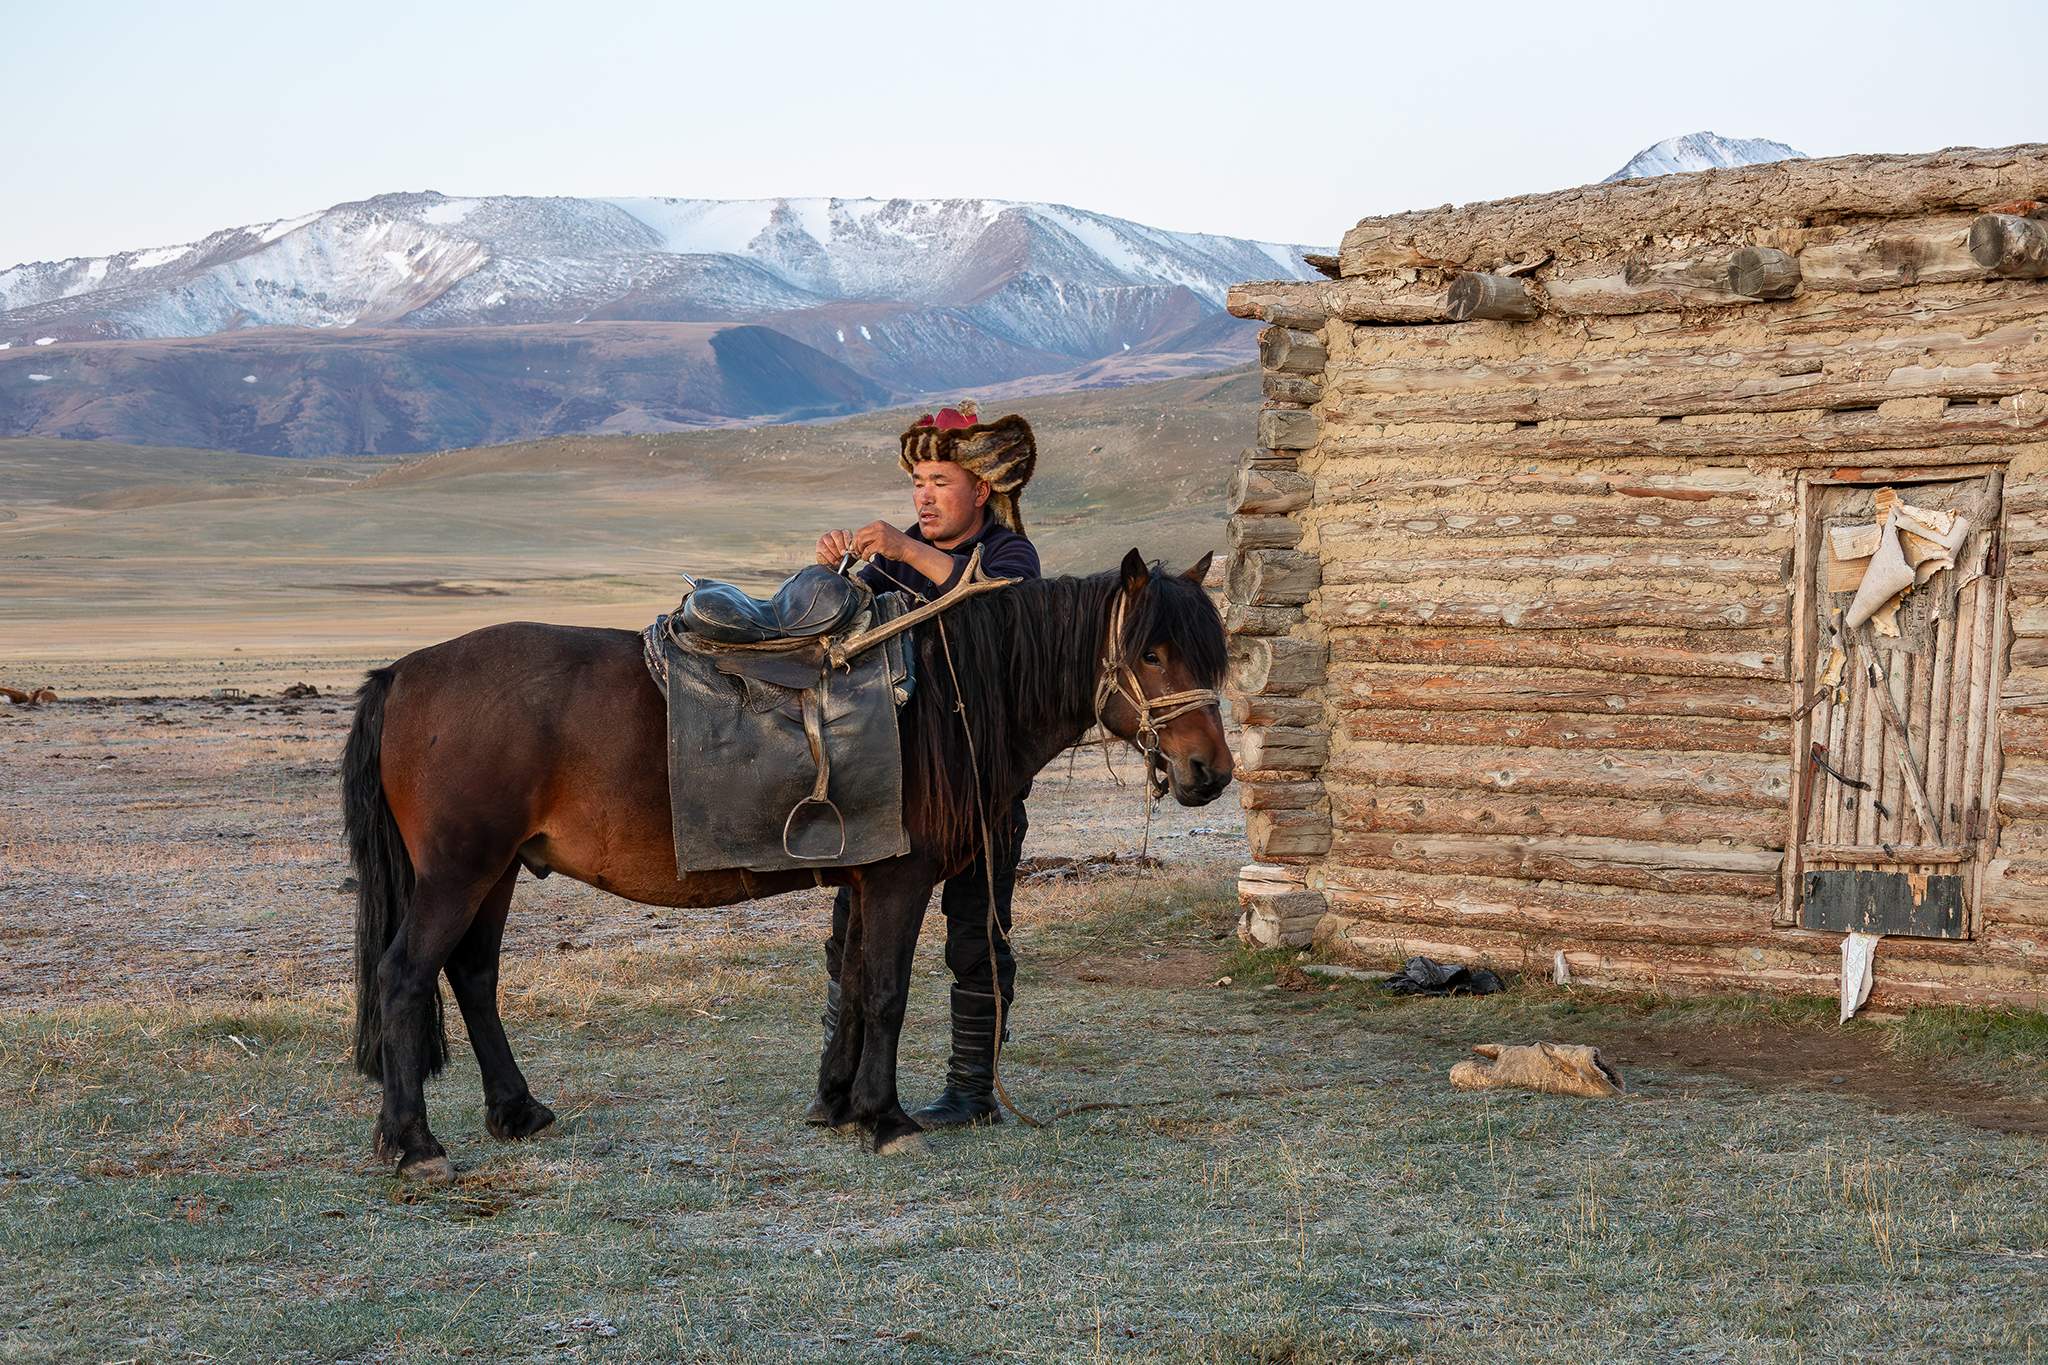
point(147, 570)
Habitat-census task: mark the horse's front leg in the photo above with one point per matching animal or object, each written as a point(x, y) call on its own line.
point(891, 909)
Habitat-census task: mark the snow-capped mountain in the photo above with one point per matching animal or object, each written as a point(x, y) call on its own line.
point(1702, 152)
point(429, 260)
point(878, 300)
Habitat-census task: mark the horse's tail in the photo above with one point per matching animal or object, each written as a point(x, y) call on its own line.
point(384, 875)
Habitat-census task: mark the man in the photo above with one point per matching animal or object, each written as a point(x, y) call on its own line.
point(965, 479)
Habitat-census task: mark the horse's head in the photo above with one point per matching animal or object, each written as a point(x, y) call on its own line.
point(1162, 663)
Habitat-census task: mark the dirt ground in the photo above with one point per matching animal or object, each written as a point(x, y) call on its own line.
point(186, 848)
point(1241, 1162)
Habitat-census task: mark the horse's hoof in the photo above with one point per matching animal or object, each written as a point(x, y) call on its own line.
point(819, 1115)
point(903, 1144)
point(428, 1170)
point(522, 1118)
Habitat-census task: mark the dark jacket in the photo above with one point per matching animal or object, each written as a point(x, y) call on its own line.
point(1004, 554)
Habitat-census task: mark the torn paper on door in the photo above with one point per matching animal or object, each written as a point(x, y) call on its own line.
point(1907, 546)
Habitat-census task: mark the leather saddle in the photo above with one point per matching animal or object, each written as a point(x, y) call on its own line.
point(779, 756)
point(813, 602)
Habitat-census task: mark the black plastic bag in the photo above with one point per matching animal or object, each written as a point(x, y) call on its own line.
point(1426, 976)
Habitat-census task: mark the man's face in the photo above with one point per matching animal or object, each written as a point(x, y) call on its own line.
point(948, 501)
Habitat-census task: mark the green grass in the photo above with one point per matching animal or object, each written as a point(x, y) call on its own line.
point(1296, 1182)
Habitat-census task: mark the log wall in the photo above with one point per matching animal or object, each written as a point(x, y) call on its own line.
point(1511, 597)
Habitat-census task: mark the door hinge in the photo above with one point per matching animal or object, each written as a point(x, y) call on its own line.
point(1994, 556)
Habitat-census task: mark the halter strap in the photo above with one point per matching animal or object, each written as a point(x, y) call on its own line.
point(1118, 679)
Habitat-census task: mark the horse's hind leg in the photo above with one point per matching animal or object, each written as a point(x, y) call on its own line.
point(510, 1110)
point(892, 911)
point(442, 909)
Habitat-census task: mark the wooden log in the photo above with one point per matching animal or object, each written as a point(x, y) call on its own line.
point(1945, 359)
point(1567, 730)
point(1647, 866)
point(1292, 388)
point(1284, 835)
point(1288, 428)
point(1761, 272)
point(1283, 667)
point(1651, 604)
point(1311, 303)
point(1277, 918)
point(1240, 619)
point(1289, 350)
point(1709, 779)
point(2023, 794)
point(1277, 749)
point(1684, 563)
point(1269, 492)
point(1475, 905)
point(1539, 689)
point(1548, 519)
point(1281, 795)
point(2014, 247)
point(1981, 715)
point(1284, 303)
point(1477, 296)
point(1424, 810)
point(1249, 533)
point(1738, 202)
point(1637, 285)
point(1627, 649)
point(1274, 577)
point(1796, 441)
point(1893, 255)
point(1263, 709)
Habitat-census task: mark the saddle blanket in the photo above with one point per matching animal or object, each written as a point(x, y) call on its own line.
point(740, 764)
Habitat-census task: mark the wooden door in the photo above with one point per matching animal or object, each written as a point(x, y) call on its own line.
point(1896, 748)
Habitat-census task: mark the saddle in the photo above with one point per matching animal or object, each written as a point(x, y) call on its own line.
point(811, 603)
point(783, 746)
point(777, 758)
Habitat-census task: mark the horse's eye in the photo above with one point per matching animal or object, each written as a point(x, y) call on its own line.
point(1151, 656)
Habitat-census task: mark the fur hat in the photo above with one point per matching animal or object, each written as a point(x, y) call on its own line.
point(1001, 453)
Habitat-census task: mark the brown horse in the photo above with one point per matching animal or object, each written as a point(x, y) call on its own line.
point(545, 747)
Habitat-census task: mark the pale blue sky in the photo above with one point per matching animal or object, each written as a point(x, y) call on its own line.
point(140, 124)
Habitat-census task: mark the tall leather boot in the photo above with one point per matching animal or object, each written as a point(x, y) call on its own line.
point(969, 1096)
point(817, 1115)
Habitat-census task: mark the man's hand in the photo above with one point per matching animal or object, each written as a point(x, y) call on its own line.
point(834, 546)
point(880, 540)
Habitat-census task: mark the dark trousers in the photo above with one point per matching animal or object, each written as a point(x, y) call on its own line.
point(964, 902)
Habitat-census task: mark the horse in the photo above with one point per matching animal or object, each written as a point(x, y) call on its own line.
point(544, 747)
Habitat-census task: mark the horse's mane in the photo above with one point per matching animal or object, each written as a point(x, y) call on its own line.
point(1026, 660)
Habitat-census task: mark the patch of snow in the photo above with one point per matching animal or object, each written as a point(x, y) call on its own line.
point(248, 379)
point(448, 211)
point(1288, 257)
point(39, 379)
point(865, 334)
point(1127, 345)
point(692, 227)
point(281, 227)
point(814, 216)
point(842, 336)
point(397, 261)
point(46, 341)
point(6, 345)
point(156, 256)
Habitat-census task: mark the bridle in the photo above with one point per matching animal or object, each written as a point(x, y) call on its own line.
point(1116, 678)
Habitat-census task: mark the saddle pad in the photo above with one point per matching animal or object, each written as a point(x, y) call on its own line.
point(738, 760)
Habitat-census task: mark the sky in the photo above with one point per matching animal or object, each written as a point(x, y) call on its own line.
point(143, 124)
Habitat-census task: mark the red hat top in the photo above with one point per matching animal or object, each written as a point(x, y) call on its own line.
point(951, 419)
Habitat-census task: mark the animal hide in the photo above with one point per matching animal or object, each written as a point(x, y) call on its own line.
point(1552, 1068)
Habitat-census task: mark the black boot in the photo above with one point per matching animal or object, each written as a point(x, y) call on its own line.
point(817, 1115)
point(969, 1097)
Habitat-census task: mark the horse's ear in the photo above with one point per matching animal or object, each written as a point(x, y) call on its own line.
point(1200, 573)
point(1136, 574)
